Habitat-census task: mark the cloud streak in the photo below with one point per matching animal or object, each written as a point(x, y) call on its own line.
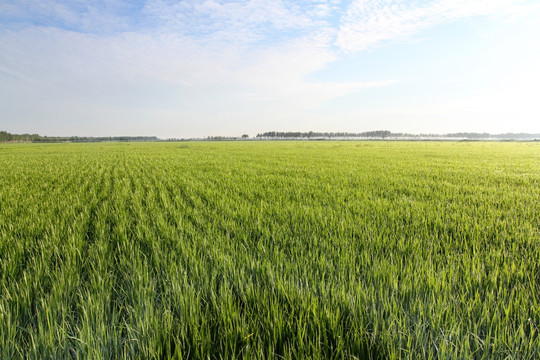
point(369, 22)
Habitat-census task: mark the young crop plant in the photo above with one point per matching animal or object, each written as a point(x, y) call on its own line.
point(270, 250)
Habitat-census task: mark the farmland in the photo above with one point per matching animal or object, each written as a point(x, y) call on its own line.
point(320, 250)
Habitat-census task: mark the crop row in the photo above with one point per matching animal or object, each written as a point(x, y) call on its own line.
point(270, 250)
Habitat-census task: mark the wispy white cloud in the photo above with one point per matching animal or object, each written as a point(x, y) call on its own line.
point(198, 58)
point(370, 22)
point(219, 46)
point(78, 15)
point(214, 16)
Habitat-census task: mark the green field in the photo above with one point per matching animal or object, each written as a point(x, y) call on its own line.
point(270, 250)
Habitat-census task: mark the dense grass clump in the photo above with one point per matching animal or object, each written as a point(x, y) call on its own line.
point(270, 250)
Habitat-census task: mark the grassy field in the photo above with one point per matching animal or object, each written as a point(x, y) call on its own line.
point(270, 250)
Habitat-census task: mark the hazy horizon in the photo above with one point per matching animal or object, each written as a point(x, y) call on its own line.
point(200, 68)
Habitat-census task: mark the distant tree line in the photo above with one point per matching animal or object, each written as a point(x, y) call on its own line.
point(7, 137)
point(378, 134)
point(222, 138)
point(383, 134)
point(468, 135)
point(313, 134)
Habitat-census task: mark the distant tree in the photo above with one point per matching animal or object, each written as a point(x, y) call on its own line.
point(312, 134)
point(245, 136)
point(5, 136)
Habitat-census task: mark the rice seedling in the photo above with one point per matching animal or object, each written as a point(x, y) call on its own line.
point(265, 250)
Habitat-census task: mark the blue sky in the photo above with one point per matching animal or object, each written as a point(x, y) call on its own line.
point(215, 67)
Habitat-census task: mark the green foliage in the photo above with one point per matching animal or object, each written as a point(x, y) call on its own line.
point(7, 137)
point(295, 250)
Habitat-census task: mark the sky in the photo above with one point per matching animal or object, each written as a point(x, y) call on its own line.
point(186, 68)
